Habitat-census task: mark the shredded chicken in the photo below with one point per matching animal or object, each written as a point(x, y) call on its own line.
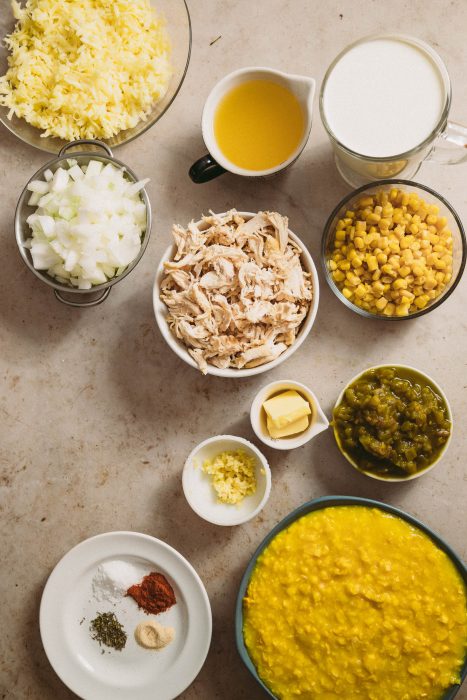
point(236, 291)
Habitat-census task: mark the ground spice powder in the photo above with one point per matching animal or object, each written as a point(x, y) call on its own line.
point(154, 594)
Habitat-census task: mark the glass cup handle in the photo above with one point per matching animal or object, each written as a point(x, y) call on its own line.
point(451, 145)
point(205, 169)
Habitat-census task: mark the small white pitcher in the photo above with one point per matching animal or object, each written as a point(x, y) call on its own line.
point(215, 163)
point(318, 421)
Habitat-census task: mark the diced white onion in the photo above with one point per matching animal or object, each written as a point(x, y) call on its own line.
point(88, 224)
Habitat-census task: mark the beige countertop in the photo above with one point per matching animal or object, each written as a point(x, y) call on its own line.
point(97, 415)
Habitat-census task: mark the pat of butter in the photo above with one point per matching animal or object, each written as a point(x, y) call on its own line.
point(297, 426)
point(286, 408)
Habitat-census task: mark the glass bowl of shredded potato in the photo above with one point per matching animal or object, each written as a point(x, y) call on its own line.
point(105, 71)
point(393, 250)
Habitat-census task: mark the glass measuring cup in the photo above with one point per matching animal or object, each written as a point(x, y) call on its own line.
point(447, 142)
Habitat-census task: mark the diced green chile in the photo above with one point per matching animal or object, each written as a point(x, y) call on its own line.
point(391, 422)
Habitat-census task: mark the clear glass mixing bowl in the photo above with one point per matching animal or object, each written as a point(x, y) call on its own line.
point(459, 252)
point(179, 28)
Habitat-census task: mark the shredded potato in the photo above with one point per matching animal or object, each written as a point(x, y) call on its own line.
point(85, 68)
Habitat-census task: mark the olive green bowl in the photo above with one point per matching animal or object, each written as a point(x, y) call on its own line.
point(309, 507)
point(436, 388)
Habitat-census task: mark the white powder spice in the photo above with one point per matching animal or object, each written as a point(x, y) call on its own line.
point(112, 580)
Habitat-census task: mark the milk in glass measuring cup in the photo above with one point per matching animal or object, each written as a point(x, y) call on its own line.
point(384, 103)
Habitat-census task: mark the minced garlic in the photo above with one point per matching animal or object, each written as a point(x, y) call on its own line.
point(85, 68)
point(233, 475)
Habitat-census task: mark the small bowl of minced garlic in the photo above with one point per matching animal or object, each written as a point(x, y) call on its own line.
point(226, 480)
point(286, 414)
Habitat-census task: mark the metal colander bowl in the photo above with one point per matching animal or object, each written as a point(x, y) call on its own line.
point(98, 293)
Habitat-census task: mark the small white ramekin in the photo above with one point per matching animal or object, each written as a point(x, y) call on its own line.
point(435, 386)
point(200, 493)
point(318, 421)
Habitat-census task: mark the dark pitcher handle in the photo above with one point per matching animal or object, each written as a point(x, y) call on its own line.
point(205, 169)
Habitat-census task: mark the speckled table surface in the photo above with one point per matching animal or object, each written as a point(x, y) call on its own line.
point(97, 415)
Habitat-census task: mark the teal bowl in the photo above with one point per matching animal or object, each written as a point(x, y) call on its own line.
point(309, 507)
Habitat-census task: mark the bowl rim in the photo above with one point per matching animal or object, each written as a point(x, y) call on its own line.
point(221, 88)
point(291, 442)
point(22, 203)
point(160, 313)
point(387, 183)
point(435, 385)
point(319, 504)
point(260, 457)
point(109, 142)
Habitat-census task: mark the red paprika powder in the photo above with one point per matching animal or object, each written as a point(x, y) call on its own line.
point(154, 594)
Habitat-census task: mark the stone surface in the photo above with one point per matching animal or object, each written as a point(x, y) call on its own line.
point(97, 415)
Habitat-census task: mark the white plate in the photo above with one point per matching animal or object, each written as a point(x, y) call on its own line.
point(133, 673)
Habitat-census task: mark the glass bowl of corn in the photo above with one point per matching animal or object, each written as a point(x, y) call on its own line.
point(393, 250)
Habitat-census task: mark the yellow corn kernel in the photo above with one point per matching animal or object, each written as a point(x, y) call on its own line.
point(372, 262)
point(378, 288)
point(382, 258)
point(404, 271)
point(374, 218)
point(395, 261)
point(390, 309)
point(332, 265)
point(413, 228)
point(360, 291)
point(376, 275)
point(356, 261)
point(429, 284)
point(402, 309)
point(381, 303)
point(421, 301)
point(407, 255)
point(384, 224)
point(347, 293)
point(353, 279)
point(338, 276)
point(399, 283)
point(441, 223)
point(340, 235)
point(344, 265)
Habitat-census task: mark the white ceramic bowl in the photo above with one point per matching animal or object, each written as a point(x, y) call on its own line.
point(318, 421)
point(435, 386)
point(200, 494)
point(302, 87)
point(160, 311)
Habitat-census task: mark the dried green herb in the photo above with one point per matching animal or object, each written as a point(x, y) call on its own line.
point(106, 629)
